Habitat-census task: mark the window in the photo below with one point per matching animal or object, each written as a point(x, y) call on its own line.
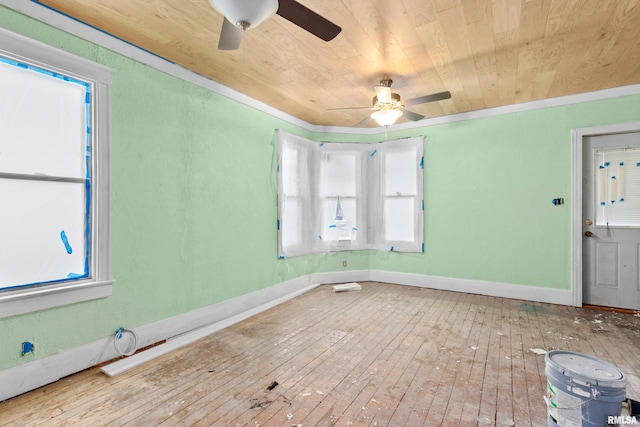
point(54, 177)
point(339, 187)
point(343, 196)
point(618, 185)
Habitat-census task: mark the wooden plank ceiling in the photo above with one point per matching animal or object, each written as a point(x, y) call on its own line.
point(487, 53)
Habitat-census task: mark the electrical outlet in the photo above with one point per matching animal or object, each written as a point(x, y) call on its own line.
point(344, 263)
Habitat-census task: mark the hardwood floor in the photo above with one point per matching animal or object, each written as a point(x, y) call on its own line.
point(388, 355)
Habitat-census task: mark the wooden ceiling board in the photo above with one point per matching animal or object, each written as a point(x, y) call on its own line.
point(487, 53)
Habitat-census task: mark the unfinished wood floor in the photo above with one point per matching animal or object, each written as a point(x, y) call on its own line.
point(388, 355)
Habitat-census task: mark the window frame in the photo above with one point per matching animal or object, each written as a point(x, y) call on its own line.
point(21, 300)
point(381, 243)
point(358, 239)
point(370, 198)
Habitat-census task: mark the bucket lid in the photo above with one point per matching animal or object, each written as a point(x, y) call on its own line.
point(586, 368)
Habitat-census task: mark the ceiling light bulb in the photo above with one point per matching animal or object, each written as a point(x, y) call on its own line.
point(386, 117)
point(252, 12)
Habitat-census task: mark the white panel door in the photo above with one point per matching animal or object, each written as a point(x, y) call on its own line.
point(611, 220)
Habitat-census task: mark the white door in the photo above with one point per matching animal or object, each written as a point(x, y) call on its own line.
point(611, 220)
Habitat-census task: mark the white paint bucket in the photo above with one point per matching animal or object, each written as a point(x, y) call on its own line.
point(582, 390)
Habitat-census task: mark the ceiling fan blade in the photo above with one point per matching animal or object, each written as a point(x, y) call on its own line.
point(412, 116)
point(307, 19)
point(230, 36)
point(384, 94)
point(428, 98)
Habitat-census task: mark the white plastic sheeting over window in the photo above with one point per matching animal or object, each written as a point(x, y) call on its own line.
point(618, 188)
point(344, 196)
point(43, 176)
point(54, 177)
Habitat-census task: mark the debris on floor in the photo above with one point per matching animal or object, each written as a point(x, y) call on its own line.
point(347, 287)
point(538, 351)
point(259, 404)
point(272, 385)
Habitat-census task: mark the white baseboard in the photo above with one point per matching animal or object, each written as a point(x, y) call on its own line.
point(478, 287)
point(185, 328)
point(341, 276)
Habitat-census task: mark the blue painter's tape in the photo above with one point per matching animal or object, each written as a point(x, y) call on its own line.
point(422, 162)
point(332, 226)
point(27, 347)
point(322, 144)
point(422, 247)
point(67, 246)
point(278, 225)
point(622, 199)
point(88, 194)
point(422, 204)
point(278, 168)
point(391, 249)
point(621, 163)
point(26, 285)
point(373, 153)
point(45, 72)
point(602, 167)
point(603, 204)
point(638, 164)
point(318, 237)
point(354, 228)
point(607, 163)
point(75, 276)
point(613, 177)
point(87, 228)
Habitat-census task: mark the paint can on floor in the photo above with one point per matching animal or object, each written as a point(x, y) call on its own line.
point(582, 390)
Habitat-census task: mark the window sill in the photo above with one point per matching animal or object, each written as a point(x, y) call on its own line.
point(22, 301)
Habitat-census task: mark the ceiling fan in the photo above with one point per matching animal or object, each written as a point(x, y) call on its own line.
point(241, 15)
point(388, 107)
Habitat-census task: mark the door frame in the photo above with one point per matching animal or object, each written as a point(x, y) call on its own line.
point(577, 146)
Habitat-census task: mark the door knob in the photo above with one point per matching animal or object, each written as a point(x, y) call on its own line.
point(588, 233)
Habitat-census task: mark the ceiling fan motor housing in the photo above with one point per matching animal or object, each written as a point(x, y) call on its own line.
point(394, 103)
point(245, 13)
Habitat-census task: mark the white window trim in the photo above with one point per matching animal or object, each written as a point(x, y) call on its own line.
point(24, 300)
point(381, 244)
point(369, 213)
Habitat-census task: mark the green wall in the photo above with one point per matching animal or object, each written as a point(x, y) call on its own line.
point(489, 184)
point(194, 203)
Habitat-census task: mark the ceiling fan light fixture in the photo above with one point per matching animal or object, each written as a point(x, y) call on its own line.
point(386, 117)
point(246, 13)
